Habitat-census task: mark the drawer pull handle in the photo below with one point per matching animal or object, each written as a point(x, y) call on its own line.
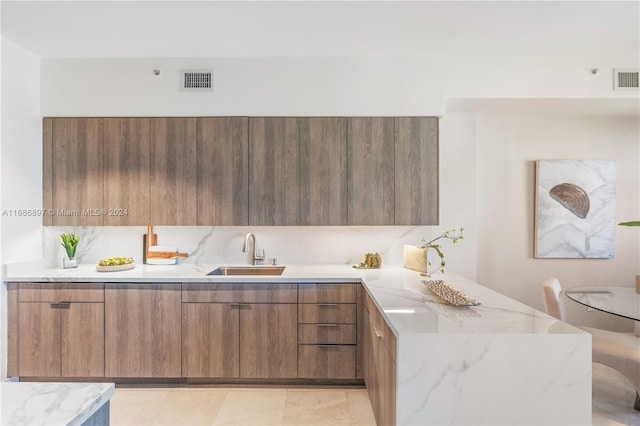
point(326, 346)
point(376, 332)
point(327, 325)
point(328, 305)
point(238, 305)
point(61, 305)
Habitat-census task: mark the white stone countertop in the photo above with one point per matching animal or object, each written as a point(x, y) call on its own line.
point(399, 292)
point(32, 403)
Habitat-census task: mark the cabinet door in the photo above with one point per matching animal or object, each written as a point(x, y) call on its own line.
point(39, 339)
point(210, 340)
point(323, 171)
point(371, 171)
point(143, 330)
point(74, 165)
point(126, 165)
point(268, 340)
point(273, 171)
point(173, 171)
point(222, 193)
point(82, 340)
point(416, 171)
point(379, 368)
point(386, 370)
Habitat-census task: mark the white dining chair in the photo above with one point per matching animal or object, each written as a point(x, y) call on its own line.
point(620, 351)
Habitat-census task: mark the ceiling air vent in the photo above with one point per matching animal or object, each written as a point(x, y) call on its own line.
point(626, 79)
point(196, 80)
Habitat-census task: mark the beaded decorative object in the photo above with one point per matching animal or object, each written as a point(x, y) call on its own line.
point(451, 295)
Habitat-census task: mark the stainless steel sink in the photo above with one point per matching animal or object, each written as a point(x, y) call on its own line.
point(248, 270)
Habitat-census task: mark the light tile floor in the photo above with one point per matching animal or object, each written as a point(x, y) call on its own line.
point(613, 398)
point(240, 406)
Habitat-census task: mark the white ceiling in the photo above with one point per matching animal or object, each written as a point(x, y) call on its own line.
point(301, 28)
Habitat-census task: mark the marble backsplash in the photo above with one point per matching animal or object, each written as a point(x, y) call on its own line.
point(223, 244)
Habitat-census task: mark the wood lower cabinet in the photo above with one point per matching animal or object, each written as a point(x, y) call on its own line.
point(379, 362)
point(192, 330)
point(327, 331)
point(240, 330)
point(327, 361)
point(143, 330)
point(39, 345)
point(210, 340)
point(60, 330)
point(268, 341)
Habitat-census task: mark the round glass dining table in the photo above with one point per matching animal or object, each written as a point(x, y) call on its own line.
point(621, 301)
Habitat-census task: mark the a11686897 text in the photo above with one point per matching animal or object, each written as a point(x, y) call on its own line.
point(63, 212)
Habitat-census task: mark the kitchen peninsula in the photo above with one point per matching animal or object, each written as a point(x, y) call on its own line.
point(501, 362)
point(33, 404)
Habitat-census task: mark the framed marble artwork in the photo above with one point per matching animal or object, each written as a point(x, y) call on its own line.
point(575, 209)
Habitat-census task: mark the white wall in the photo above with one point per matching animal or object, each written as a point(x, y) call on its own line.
point(316, 86)
point(20, 165)
point(507, 148)
point(21, 153)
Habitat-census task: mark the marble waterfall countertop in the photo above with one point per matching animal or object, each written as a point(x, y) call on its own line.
point(501, 362)
point(398, 292)
point(32, 403)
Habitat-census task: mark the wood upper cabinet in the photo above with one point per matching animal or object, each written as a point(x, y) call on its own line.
point(60, 330)
point(126, 171)
point(416, 171)
point(222, 188)
point(323, 171)
point(143, 330)
point(371, 171)
point(173, 159)
point(217, 171)
point(73, 171)
point(274, 194)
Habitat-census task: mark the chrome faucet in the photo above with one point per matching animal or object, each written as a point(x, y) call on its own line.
point(255, 257)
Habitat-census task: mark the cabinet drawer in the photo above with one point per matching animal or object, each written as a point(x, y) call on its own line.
point(239, 293)
point(327, 334)
point(344, 313)
point(327, 293)
point(326, 362)
point(61, 292)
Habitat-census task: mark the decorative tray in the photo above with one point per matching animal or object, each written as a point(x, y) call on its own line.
point(114, 268)
point(451, 295)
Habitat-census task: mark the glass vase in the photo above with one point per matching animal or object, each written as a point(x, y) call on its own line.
point(69, 262)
